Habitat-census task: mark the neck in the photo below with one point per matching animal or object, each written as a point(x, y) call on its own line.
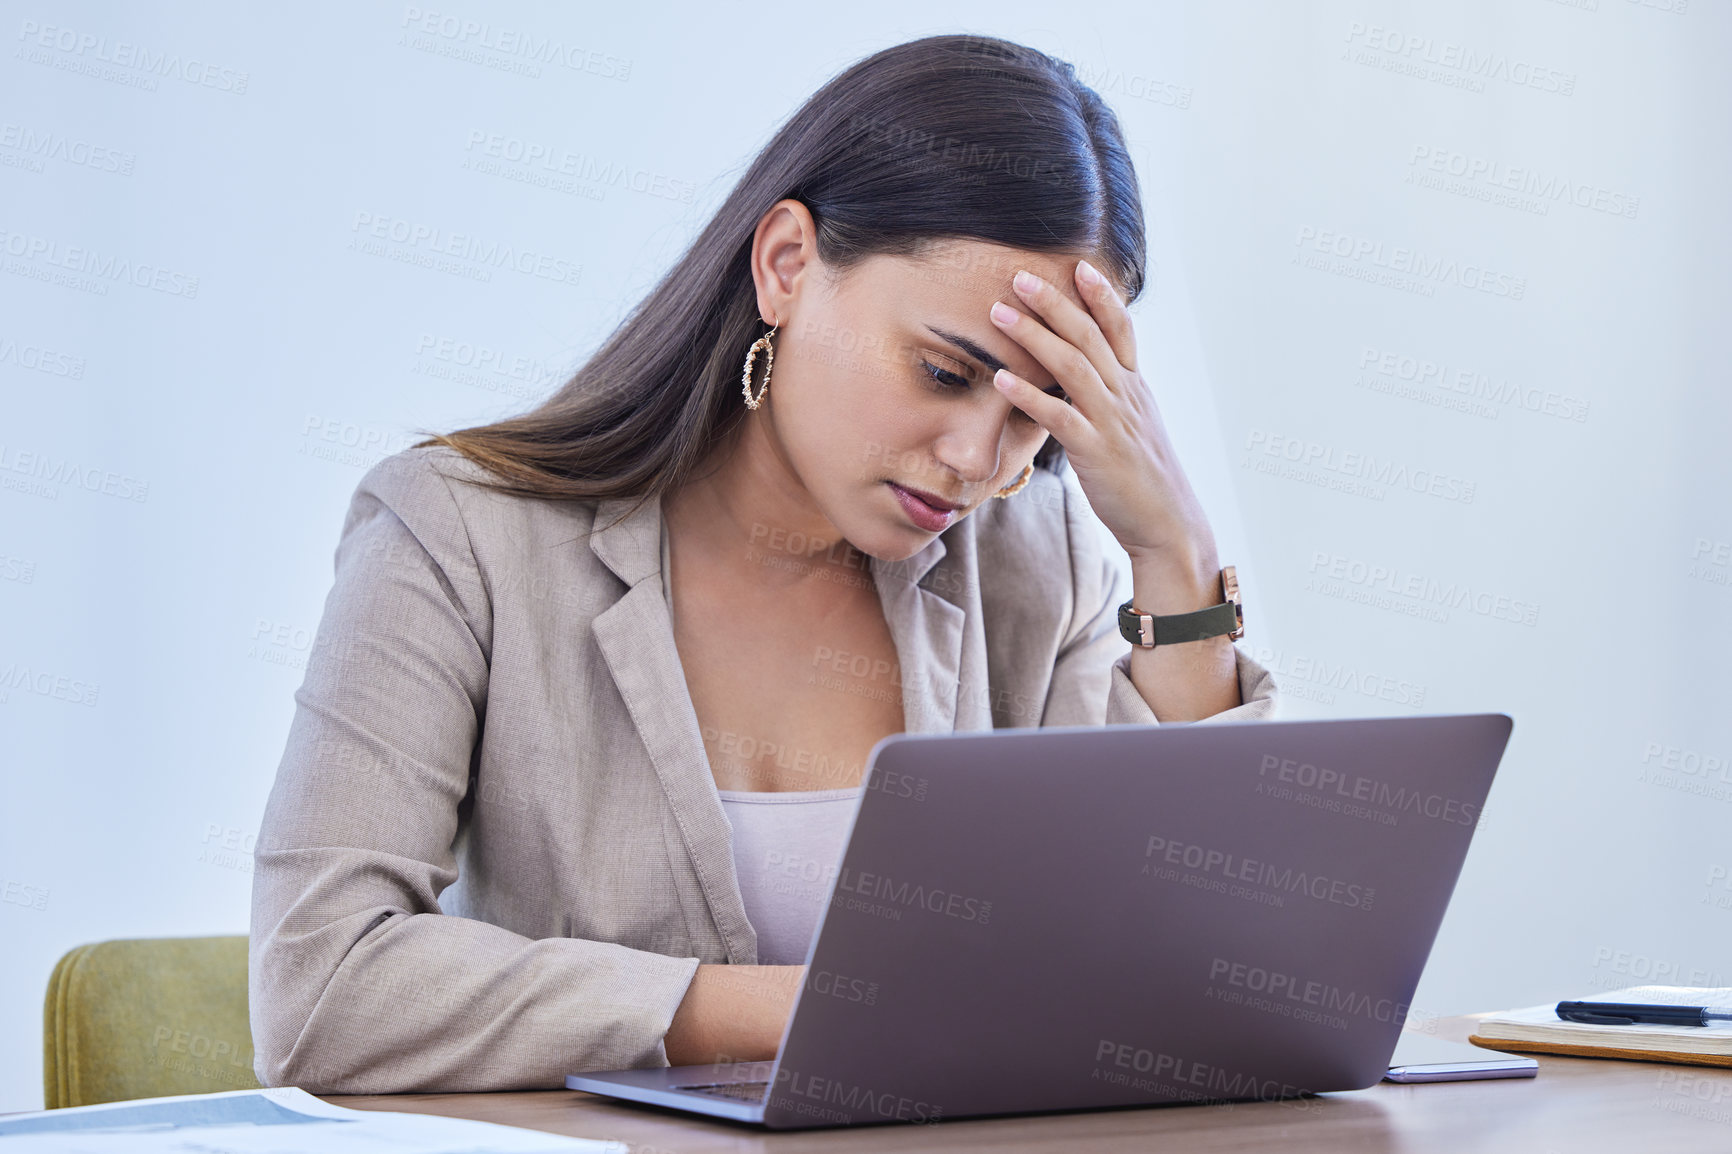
point(748, 510)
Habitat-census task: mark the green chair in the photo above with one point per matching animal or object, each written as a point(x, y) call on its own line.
point(147, 1018)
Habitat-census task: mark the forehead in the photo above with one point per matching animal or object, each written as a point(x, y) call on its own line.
point(976, 271)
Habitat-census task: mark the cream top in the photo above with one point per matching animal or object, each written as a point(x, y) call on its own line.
point(787, 850)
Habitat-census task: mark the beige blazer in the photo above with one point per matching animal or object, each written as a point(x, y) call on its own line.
point(493, 853)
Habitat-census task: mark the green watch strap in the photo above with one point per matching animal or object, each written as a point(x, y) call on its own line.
point(1177, 627)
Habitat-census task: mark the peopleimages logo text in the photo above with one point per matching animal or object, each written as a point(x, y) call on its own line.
point(1471, 383)
point(1276, 984)
point(1410, 262)
point(516, 42)
point(1469, 63)
point(1449, 595)
point(73, 474)
point(1362, 466)
point(910, 894)
point(125, 54)
point(1217, 1080)
point(1262, 873)
point(1495, 174)
point(103, 266)
point(855, 1100)
point(1369, 790)
point(465, 246)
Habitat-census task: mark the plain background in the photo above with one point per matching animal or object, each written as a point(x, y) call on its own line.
point(1440, 498)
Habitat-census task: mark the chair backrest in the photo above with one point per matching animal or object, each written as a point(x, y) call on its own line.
point(146, 1018)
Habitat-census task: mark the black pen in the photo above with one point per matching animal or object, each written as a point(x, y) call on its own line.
point(1629, 1013)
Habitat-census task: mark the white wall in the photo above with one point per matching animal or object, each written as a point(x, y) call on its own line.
point(155, 612)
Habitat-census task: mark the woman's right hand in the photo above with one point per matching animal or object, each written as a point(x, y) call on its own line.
point(732, 1014)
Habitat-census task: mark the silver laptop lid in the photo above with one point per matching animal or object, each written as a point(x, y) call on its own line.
point(1087, 916)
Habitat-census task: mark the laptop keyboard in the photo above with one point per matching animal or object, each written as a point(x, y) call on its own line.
point(745, 1091)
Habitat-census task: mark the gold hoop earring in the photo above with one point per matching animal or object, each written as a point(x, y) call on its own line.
point(1016, 486)
point(769, 362)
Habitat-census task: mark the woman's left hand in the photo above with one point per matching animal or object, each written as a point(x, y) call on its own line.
point(1111, 430)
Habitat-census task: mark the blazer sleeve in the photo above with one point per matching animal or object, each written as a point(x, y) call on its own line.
point(357, 982)
point(1091, 679)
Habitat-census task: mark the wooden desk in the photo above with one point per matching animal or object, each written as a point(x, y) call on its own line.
point(1574, 1106)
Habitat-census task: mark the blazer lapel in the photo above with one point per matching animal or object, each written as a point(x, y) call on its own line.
point(927, 630)
point(636, 638)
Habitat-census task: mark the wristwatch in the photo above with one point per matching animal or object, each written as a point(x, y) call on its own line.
point(1149, 631)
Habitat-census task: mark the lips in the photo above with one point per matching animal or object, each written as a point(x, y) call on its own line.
point(925, 513)
point(932, 499)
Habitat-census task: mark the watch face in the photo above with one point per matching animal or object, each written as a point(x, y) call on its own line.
point(1230, 592)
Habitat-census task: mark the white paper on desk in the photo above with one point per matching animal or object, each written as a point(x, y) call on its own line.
point(283, 1120)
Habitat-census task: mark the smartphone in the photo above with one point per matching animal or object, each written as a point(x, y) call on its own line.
point(1427, 1058)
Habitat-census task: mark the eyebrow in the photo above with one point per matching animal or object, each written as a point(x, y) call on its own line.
point(969, 347)
point(974, 350)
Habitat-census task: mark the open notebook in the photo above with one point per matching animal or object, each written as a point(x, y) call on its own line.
point(1538, 1028)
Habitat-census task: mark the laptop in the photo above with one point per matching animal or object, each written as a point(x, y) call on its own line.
point(1085, 917)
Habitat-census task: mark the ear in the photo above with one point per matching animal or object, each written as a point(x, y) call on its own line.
point(784, 248)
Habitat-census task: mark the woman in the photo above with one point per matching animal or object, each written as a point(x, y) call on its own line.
point(595, 685)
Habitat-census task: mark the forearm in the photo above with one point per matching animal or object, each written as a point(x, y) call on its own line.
point(1188, 680)
point(436, 1003)
point(732, 1014)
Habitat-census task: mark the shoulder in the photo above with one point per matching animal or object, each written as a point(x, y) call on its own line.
point(445, 500)
point(438, 479)
point(421, 474)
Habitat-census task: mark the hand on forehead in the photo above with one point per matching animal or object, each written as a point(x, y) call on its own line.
point(951, 286)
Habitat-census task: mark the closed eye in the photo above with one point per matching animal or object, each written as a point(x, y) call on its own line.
point(952, 380)
point(944, 376)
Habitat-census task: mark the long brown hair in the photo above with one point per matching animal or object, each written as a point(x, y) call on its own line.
point(935, 139)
